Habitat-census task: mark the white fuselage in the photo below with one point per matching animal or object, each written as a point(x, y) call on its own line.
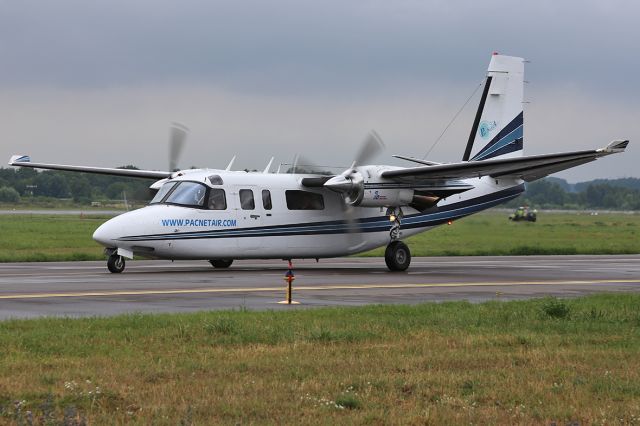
point(275, 230)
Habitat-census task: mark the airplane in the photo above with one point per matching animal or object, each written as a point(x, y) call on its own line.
point(222, 215)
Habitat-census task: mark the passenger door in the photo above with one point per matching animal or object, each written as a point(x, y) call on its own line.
point(249, 211)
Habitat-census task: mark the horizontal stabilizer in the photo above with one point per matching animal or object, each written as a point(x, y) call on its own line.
point(416, 160)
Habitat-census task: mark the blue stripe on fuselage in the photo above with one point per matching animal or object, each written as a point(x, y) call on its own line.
point(433, 217)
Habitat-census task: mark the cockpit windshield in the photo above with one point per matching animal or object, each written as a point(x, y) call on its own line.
point(184, 193)
point(162, 192)
point(188, 194)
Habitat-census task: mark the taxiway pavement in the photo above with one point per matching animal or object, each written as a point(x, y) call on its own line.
point(88, 289)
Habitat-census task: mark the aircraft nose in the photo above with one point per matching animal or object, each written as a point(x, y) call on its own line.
point(105, 234)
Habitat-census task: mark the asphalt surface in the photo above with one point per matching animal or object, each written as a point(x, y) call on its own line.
point(88, 289)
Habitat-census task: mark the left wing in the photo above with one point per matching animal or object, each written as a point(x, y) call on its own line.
point(527, 168)
point(25, 161)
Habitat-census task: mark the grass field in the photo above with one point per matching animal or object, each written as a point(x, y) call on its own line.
point(491, 233)
point(40, 238)
point(50, 238)
point(522, 362)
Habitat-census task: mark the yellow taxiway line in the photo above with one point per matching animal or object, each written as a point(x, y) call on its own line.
point(307, 288)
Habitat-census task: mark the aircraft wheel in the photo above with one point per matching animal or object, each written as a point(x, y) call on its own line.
point(115, 264)
point(397, 256)
point(221, 263)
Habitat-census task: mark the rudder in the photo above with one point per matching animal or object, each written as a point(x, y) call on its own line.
point(499, 120)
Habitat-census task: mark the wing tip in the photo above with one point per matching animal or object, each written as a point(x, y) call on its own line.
point(618, 145)
point(16, 159)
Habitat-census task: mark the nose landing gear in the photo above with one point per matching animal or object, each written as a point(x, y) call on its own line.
point(397, 255)
point(115, 263)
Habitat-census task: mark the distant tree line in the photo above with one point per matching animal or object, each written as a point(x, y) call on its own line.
point(618, 194)
point(16, 183)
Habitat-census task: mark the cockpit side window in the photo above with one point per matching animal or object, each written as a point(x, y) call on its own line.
point(217, 199)
point(162, 192)
point(192, 194)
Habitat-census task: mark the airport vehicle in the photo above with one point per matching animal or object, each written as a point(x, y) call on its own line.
point(523, 213)
point(222, 215)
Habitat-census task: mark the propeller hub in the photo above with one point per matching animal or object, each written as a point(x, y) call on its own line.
point(339, 183)
point(350, 184)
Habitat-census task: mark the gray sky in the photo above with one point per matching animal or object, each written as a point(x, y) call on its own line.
point(98, 82)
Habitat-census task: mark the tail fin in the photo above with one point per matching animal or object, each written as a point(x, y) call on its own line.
point(499, 120)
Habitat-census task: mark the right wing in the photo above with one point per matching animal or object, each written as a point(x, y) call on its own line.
point(25, 161)
point(527, 168)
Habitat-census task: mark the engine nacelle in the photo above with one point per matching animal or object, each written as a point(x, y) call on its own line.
point(365, 187)
point(386, 197)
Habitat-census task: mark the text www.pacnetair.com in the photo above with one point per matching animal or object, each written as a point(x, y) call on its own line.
point(199, 222)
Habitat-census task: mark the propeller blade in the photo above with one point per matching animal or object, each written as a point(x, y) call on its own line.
point(371, 146)
point(177, 136)
point(302, 164)
point(355, 239)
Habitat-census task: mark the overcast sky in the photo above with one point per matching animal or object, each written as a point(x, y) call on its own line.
point(99, 82)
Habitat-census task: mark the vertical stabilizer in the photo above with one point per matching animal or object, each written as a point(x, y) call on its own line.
point(498, 125)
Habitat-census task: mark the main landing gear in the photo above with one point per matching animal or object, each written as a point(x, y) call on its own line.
point(397, 255)
point(221, 263)
point(115, 263)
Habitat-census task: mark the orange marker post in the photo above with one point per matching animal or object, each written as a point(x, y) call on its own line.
point(289, 277)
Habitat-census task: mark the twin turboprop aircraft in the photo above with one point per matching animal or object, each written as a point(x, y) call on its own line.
point(222, 215)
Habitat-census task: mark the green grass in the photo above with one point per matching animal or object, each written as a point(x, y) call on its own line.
point(525, 362)
point(491, 233)
point(53, 238)
point(42, 238)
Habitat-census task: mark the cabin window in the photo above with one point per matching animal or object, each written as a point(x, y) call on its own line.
point(162, 192)
point(217, 199)
point(246, 199)
point(266, 199)
point(304, 200)
point(215, 180)
point(191, 194)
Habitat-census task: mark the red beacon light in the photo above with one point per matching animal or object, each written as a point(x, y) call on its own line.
point(495, 53)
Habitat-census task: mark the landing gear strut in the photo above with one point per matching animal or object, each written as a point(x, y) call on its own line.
point(115, 263)
point(397, 255)
point(221, 263)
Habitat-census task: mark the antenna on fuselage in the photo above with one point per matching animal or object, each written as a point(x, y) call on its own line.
point(230, 163)
point(266, 169)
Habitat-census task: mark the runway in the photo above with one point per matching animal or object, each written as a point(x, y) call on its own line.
point(88, 289)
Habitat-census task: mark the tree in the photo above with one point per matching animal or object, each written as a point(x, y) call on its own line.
point(52, 184)
point(9, 195)
point(80, 188)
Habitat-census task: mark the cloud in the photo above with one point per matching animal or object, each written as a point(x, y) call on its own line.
point(304, 47)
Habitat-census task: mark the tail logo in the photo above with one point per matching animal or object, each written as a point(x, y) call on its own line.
point(486, 127)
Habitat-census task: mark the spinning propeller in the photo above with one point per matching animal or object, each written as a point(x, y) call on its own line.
point(350, 183)
point(177, 136)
